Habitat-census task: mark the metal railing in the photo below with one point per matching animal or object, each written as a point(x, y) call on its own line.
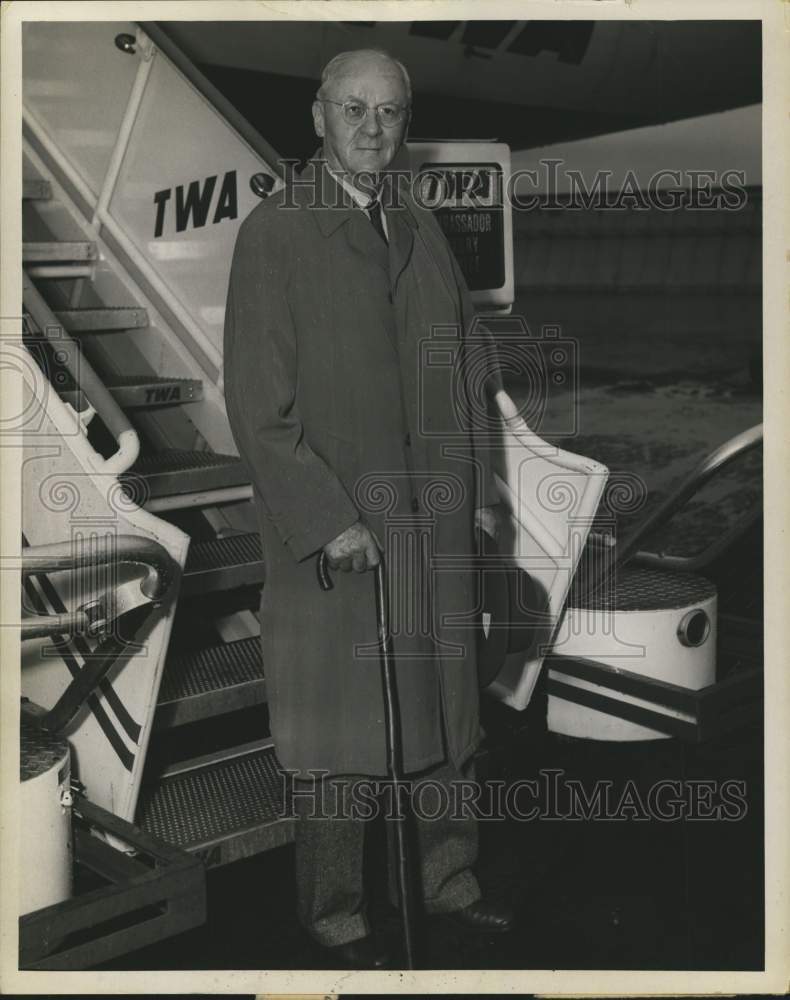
point(629, 548)
point(123, 549)
point(99, 397)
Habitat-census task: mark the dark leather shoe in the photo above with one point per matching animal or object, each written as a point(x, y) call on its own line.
point(359, 954)
point(484, 917)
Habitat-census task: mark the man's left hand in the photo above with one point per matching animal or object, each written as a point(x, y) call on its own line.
point(487, 518)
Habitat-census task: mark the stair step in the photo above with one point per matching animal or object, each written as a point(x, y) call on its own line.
point(173, 473)
point(222, 807)
point(103, 319)
point(36, 190)
point(223, 564)
point(211, 681)
point(36, 253)
point(135, 391)
point(68, 272)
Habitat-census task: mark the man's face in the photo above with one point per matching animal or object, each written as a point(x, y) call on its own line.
point(368, 147)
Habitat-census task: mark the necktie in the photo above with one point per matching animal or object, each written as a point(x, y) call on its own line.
point(374, 214)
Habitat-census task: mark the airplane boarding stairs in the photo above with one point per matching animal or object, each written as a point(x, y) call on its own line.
point(228, 803)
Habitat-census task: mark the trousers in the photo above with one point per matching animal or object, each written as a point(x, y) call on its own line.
point(329, 846)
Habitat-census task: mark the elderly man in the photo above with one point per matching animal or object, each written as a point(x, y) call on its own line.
point(355, 446)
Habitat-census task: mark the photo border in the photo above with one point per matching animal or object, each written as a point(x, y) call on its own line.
point(775, 16)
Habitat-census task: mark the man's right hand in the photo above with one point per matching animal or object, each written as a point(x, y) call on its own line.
point(355, 548)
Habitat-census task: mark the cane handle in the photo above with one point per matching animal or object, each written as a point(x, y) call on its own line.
point(322, 572)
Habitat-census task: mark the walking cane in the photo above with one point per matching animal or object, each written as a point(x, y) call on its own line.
point(394, 745)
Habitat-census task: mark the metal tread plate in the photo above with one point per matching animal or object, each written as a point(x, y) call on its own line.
point(634, 588)
point(211, 681)
point(172, 472)
point(235, 805)
point(174, 460)
point(116, 381)
point(63, 252)
point(103, 318)
point(211, 668)
point(125, 381)
point(39, 751)
point(222, 564)
point(141, 390)
point(146, 391)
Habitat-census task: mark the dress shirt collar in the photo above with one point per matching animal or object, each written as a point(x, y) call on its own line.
point(363, 200)
point(360, 197)
point(315, 177)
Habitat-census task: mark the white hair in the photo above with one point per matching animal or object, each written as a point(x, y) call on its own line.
point(334, 68)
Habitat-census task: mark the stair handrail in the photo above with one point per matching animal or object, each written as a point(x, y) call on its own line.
point(55, 557)
point(619, 553)
point(87, 380)
point(157, 586)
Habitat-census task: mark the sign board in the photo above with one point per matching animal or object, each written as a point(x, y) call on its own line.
point(465, 184)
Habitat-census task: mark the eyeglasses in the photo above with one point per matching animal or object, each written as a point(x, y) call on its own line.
point(389, 115)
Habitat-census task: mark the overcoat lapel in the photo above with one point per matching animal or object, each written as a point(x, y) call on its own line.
point(334, 208)
point(401, 236)
point(364, 239)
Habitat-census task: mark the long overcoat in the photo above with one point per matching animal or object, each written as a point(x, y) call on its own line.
point(345, 384)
